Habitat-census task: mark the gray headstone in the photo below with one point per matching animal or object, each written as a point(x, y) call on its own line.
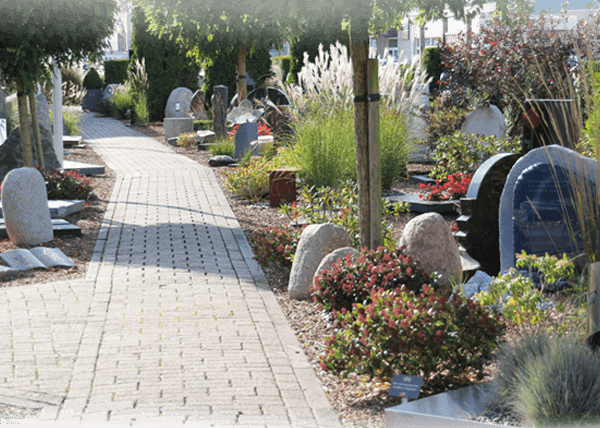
point(485, 121)
point(532, 182)
point(246, 133)
point(52, 257)
point(178, 104)
point(219, 104)
point(43, 112)
point(25, 207)
point(22, 260)
point(110, 90)
point(174, 126)
point(11, 152)
point(2, 130)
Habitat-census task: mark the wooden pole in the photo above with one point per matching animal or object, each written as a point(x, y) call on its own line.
point(24, 122)
point(360, 51)
point(374, 154)
point(36, 130)
point(242, 89)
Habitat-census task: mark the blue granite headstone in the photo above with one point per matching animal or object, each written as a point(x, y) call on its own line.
point(531, 216)
point(246, 133)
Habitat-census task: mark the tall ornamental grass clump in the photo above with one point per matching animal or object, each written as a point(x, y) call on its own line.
point(323, 140)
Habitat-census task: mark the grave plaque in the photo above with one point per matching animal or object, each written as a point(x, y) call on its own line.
point(51, 257)
point(406, 386)
point(21, 260)
point(531, 215)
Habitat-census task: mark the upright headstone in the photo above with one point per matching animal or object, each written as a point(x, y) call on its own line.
point(478, 224)
point(178, 104)
point(43, 111)
point(549, 122)
point(219, 104)
point(2, 130)
point(25, 207)
point(246, 133)
point(536, 202)
point(197, 106)
point(485, 120)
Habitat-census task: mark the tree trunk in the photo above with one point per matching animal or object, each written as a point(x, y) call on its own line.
point(374, 154)
point(36, 130)
point(242, 89)
point(360, 51)
point(24, 122)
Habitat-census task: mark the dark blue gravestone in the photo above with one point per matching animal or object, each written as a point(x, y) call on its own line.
point(541, 208)
point(246, 133)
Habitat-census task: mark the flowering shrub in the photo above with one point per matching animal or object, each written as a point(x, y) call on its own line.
point(348, 282)
point(455, 188)
point(465, 153)
point(61, 184)
point(430, 333)
point(263, 129)
point(275, 246)
point(187, 140)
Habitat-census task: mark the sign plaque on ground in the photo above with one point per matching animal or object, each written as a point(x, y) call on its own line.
point(406, 386)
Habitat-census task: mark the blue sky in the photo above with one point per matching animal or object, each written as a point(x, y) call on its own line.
point(555, 5)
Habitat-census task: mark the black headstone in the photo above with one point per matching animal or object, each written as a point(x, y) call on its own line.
point(478, 225)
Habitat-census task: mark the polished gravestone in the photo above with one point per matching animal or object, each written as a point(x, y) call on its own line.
point(536, 200)
point(478, 224)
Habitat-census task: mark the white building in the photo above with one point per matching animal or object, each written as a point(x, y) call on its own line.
point(120, 40)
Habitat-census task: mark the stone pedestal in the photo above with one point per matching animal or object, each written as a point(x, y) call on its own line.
point(174, 126)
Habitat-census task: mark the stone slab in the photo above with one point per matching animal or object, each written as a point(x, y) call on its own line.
point(61, 208)
point(72, 140)
point(421, 179)
point(421, 206)
point(84, 168)
point(36, 258)
point(60, 227)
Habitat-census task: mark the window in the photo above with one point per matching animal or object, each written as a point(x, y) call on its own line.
point(393, 43)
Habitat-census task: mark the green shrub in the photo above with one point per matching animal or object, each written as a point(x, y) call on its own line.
point(275, 246)
point(62, 184)
point(394, 146)
point(140, 108)
point(349, 282)
point(72, 120)
point(445, 339)
point(432, 63)
point(465, 153)
point(443, 121)
point(92, 80)
point(252, 180)
point(115, 71)
point(340, 206)
point(203, 124)
point(120, 102)
point(225, 147)
point(323, 147)
point(554, 381)
point(284, 62)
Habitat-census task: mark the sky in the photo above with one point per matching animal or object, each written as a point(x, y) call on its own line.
point(555, 5)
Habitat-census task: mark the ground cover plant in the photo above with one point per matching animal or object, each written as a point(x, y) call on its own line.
point(454, 188)
point(61, 184)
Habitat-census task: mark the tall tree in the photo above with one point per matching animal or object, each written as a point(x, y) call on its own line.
point(209, 26)
point(35, 31)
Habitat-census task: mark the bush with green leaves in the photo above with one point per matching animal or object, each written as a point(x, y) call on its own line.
point(61, 184)
point(350, 281)
point(203, 124)
point(446, 339)
point(92, 80)
point(115, 71)
point(340, 206)
point(120, 102)
point(465, 153)
point(432, 63)
point(224, 147)
point(72, 122)
point(284, 62)
point(443, 121)
point(394, 145)
point(251, 181)
point(554, 381)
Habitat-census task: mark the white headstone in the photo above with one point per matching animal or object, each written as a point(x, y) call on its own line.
point(485, 121)
point(2, 130)
point(25, 207)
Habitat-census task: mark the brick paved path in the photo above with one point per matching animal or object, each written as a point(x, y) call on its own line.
point(174, 321)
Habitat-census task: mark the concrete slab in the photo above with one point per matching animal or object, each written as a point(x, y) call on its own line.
point(59, 227)
point(72, 140)
point(421, 206)
point(61, 208)
point(83, 168)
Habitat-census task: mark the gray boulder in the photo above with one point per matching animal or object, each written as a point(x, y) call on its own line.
point(25, 207)
point(330, 259)
point(11, 152)
point(181, 96)
point(221, 160)
point(110, 90)
point(316, 241)
point(428, 238)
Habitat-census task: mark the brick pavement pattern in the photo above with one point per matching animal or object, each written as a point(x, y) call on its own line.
point(175, 321)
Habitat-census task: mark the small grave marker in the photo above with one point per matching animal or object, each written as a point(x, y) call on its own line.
point(406, 386)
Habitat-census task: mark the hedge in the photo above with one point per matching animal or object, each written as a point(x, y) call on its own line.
point(115, 71)
point(285, 64)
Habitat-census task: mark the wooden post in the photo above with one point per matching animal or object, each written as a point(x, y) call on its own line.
point(219, 105)
point(374, 154)
point(36, 130)
point(24, 122)
point(242, 89)
point(359, 52)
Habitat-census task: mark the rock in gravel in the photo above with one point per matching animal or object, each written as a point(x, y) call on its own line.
point(221, 160)
point(25, 207)
point(330, 259)
point(428, 238)
point(316, 241)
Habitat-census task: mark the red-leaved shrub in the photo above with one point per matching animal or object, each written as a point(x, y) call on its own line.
point(275, 246)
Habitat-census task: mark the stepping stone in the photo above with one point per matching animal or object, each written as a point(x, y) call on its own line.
point(415, 204)
point(83, 168)
point(59, 227)
point(61, 208)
